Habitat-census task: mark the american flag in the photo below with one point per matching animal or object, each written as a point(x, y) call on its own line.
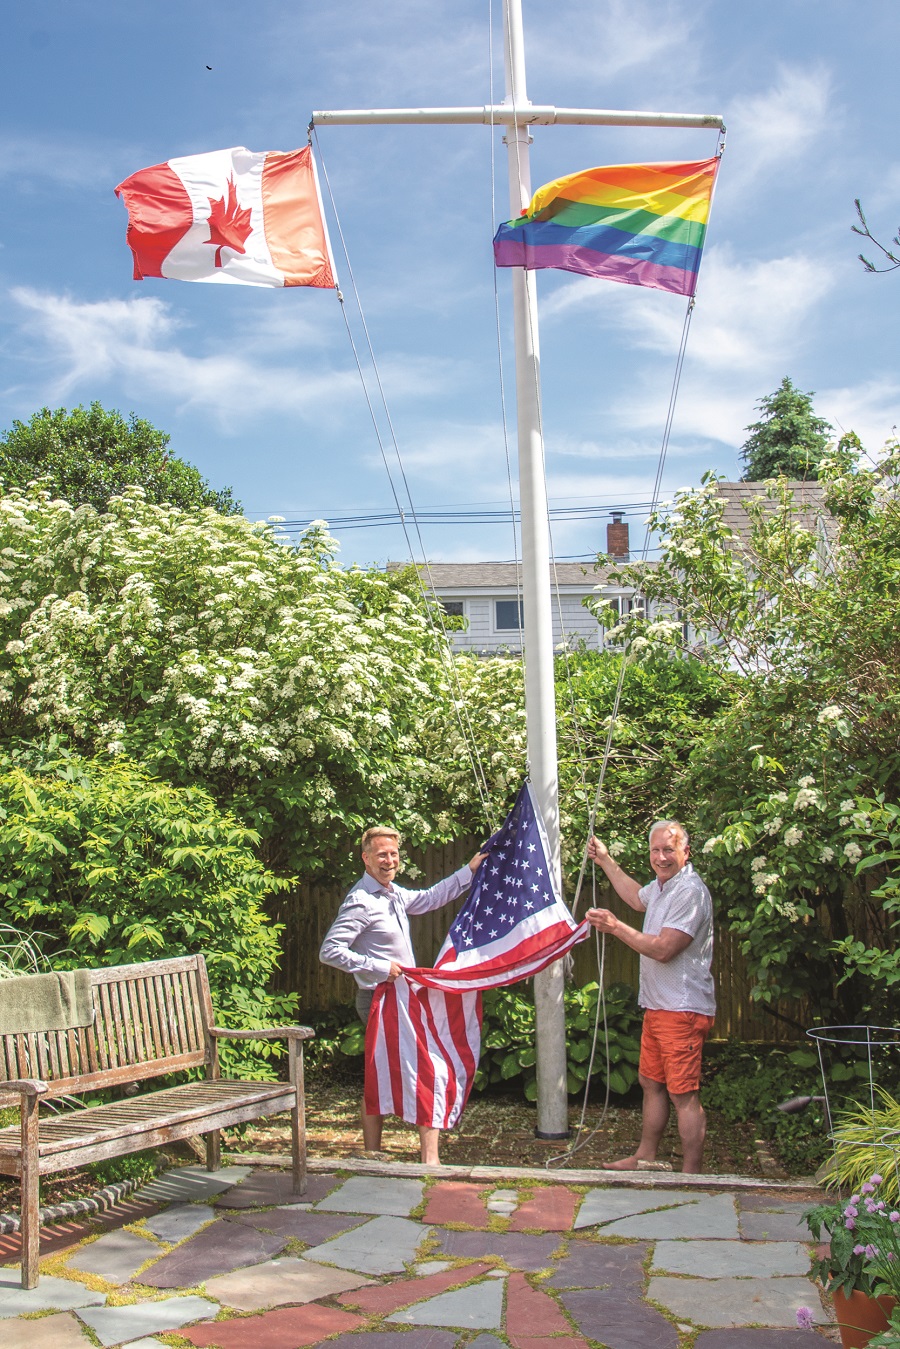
point(424, 1031)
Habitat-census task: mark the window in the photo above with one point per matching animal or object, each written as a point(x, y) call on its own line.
point(453, 608)
point(508, 615)
point(625, 605)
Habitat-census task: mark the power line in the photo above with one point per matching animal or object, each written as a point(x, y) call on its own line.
point(453, 515)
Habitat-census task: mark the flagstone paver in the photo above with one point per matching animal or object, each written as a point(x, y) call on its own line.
point(530, 1312)
point(263, 1188)
point(485, 1341)
point(477, 1307)
point(538, 1342)
point(604, 1206)
point(503, 1202)
point(218, 1249)
point(388, 1297)
point(186, 1183)
point(300, 1224)
point(380, 1246)
point(457, 1202)
point(735, 1302)
point(422, 1337)
point(61, 1331)
point(711, 1216)
point(593, 1264)
point(375, 1194)
point(739, 1259)
point(774, 1224)
point(51, 1294)
point(113, 1325)
point(286, 1328)
point(518, 1249)
point(551, 1209)
point(619, 1319)
point(180, 1221)
point(280, 1281)
point(116, 1256)
point(754, 1339)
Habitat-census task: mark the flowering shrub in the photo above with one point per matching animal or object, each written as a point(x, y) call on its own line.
point(113, 867)
point(792, 788)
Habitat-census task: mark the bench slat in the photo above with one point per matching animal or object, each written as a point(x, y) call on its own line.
point(173, 1106)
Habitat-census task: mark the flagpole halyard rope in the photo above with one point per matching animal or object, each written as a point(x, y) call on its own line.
point(432, 605)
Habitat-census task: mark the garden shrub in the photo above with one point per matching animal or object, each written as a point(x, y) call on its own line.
point(114, 867)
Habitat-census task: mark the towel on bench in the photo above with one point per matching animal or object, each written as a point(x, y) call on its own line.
point(42, 1002)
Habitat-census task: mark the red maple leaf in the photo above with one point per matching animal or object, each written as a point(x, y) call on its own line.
point(229, 225)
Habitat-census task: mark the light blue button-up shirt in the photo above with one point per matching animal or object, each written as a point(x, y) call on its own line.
point(371, 929)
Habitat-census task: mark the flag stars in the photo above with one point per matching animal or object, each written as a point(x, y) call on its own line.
point(493, 932)
point(531, 847)
point(528, 904)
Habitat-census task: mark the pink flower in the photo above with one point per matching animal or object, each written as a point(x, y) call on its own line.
point(876, 1180)
point(868, 1188)
point(894, 1217)
point(805, 1318)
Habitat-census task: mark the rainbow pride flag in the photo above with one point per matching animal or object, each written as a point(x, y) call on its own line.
point(642, 224)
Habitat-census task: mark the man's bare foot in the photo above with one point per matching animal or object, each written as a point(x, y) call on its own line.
point(623, 1164)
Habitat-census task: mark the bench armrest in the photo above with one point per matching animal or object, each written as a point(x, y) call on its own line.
point(270, 1033)
point(28, 1086)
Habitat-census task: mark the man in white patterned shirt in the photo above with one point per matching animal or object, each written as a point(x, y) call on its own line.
point(676, 987)
point(370, 939)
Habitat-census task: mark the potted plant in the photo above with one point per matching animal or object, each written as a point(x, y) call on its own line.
point(860, 1265)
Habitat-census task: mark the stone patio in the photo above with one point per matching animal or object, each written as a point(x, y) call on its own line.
point(419, 1260)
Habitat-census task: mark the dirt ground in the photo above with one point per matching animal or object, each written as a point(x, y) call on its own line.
point(494, 1131)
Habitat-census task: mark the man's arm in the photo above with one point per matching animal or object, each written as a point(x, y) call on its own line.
point(353, 918)
point(667, 944)
point(624, 885)
point(450, 888)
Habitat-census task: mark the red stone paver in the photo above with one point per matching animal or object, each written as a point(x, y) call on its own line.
point(386, 1298)
point(561, 1342)
point(457, 1202)
point(531, 1313)
point(287, 1328)
point(548, 1210)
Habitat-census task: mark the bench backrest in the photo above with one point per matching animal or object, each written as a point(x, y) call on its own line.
point(149, 1020)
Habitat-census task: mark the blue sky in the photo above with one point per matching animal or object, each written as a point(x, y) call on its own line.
point(258, 388)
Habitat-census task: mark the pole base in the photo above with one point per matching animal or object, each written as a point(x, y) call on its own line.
point(552, 1138)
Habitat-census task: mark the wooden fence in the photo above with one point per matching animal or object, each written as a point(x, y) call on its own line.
point(308, 911)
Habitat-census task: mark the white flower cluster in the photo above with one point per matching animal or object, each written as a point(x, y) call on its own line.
point(830, 713)
point(792, 836)
point(852, 852)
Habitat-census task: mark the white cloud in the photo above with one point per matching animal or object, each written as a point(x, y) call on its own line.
point(614, 37)
point(135, 342)
point(748, 314)
point(779, 125)
point(132, 341)
point(872, 410)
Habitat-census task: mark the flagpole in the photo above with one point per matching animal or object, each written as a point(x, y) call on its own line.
point(540, 692)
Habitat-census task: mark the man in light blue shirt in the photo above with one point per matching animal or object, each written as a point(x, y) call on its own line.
point(370, 939)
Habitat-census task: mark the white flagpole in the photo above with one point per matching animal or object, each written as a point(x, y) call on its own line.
point(516, 114)
point(540, 692)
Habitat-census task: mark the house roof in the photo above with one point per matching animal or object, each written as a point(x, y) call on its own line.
point(459, 576)
point(809, 505)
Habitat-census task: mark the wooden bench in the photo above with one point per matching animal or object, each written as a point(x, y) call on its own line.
point(150, 1020)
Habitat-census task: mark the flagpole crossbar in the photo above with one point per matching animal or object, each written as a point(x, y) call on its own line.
point(506, 114)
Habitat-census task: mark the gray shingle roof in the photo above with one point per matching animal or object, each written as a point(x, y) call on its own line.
point(459, 576)
point(809, 505)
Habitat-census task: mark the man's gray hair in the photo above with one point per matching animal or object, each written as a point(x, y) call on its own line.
point(671, 824)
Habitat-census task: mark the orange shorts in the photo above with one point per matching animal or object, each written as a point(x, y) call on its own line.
point(672, 1047)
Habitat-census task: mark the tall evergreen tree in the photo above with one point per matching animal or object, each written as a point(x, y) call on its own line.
point(90, 454)
point(789, 439)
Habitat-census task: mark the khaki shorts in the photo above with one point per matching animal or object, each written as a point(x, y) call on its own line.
point(672, 1048)
point(364, 998)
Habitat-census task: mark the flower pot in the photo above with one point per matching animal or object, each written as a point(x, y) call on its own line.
point(860, 1316)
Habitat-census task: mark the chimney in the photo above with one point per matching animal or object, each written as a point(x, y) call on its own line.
point(617, 537)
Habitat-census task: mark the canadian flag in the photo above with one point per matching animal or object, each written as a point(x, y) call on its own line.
point(252, 219)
